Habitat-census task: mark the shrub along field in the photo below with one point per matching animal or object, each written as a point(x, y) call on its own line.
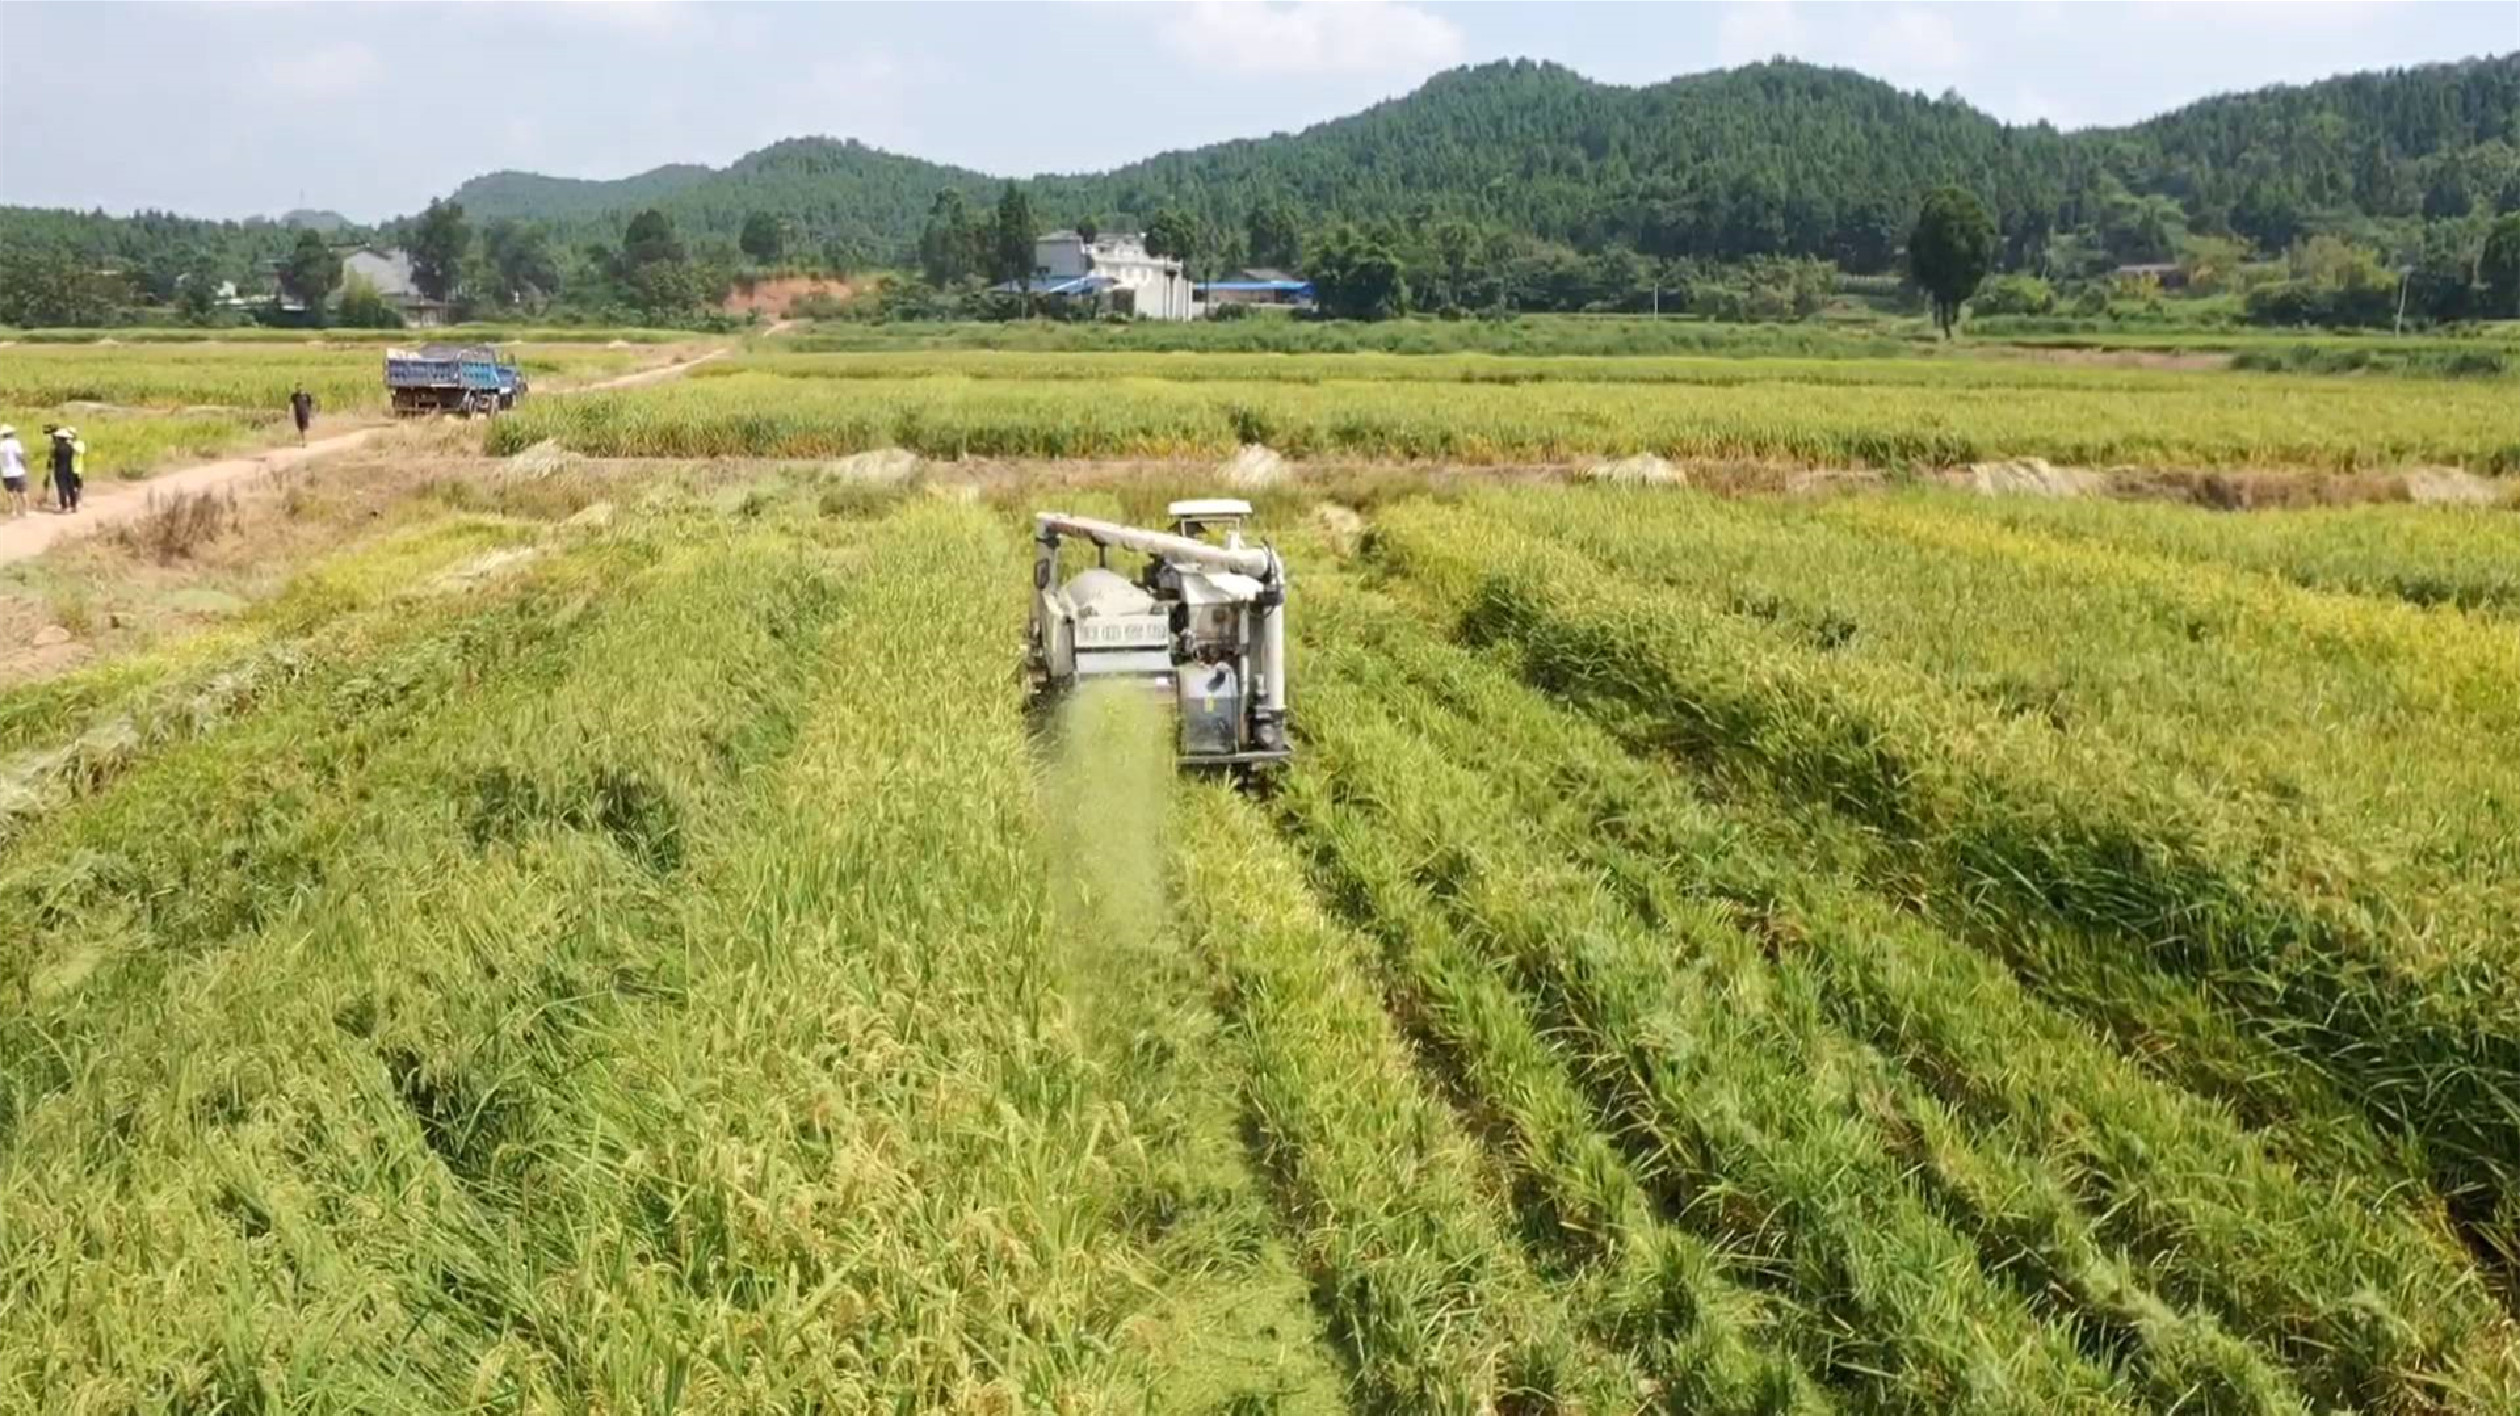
point(1481, 410)
point(1888, 955)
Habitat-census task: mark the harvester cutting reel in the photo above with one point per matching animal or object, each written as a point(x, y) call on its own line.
point(1204, 623)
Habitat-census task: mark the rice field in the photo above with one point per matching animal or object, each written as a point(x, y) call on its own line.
point(1893, 954)
point(141, 408)
point(1484, 411)
point(245, 376)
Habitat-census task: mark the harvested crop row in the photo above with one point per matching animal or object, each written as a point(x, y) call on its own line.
point(1425, 1291)
point(2017, 816)
point(2206, 425)
point(2370, 1303)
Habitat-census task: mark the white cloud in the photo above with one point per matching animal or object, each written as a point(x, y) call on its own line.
point(325, 71)
point(1916, 46)
point(648, 19)
point(1759, 30)
point(2035, 105)
point(1312, 37)
point(867, 94)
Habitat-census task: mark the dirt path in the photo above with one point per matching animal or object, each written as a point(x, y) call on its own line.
point(108, 503)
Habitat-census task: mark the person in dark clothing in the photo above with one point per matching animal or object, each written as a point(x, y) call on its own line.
point(302, 408)
point(65, 468)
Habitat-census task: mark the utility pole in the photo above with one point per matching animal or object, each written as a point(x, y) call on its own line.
point(2405, 274)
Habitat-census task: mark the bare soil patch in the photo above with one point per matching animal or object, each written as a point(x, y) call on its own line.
point(773, 298)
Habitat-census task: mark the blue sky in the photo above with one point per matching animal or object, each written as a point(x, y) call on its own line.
point(233, 109)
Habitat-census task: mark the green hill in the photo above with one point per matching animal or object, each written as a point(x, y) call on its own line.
point(1780, 157)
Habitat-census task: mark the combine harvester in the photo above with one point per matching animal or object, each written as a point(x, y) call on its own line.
point(1204, 624)
point(450, 378)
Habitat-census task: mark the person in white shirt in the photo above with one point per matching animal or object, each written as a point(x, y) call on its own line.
point(13, 469)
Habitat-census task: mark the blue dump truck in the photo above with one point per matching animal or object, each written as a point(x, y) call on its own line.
point(450, 378)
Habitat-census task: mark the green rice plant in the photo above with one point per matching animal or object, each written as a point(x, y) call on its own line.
point(1424, 1288)
point(257, 334)
point(127, 444)
point(621, 992)
point(1724, 1087)
point(1705, 1340)
point(2202, 422)
point(1530, 334)
point(1480, 369)
point(2455, 557)
point(2026, 811)
point(235, 379)
point(2365, 1297)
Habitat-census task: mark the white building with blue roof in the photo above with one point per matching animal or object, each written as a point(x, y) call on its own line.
point(1112, 268)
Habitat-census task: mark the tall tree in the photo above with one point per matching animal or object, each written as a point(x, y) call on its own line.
point(1356, 276)
point(650, 240)
point(763, 239)
point(1271, 236)
point(438, 244)
point(523, 267)
point(197, 293)
point(1951, 250)
point(947, 243)
point(1012, 236)
point(2499, 270)
point(1174, 234)
point(310, 273)
point(654, 266)
point(40, 287)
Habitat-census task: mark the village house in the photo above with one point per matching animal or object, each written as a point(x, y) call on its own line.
point(390, 272)
point(1114, 272)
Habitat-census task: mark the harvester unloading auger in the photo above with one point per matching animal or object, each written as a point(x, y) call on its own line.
point(1204, 623)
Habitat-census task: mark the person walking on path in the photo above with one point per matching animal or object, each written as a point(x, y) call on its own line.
point(13, 470)
point(302, 408)
point(67, 453)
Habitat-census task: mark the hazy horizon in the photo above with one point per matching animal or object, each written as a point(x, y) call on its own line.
point(238, 110)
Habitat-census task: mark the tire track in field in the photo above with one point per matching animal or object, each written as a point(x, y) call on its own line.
point(1233, 1323)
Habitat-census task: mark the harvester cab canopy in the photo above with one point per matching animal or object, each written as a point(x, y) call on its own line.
point(1198, 517)
point(1205, 624)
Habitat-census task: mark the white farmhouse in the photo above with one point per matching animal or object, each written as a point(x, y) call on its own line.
point(390, 272)
point(1112, 269)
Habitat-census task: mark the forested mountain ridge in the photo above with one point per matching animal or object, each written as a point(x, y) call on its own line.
point(1773, 158)
point(532, 196)
point(860, 203)
point(1533, 159)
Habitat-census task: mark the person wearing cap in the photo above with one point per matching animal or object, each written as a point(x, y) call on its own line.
point(67, 455)
point(13, 470)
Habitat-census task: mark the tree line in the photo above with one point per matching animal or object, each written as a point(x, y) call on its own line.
point(1525, 186)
